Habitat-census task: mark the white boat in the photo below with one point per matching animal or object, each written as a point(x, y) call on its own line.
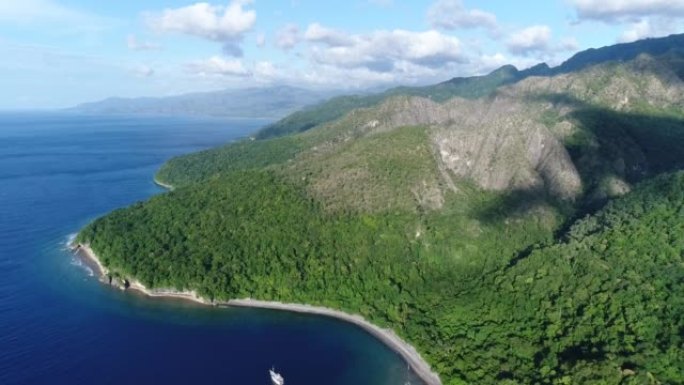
point(276, 378)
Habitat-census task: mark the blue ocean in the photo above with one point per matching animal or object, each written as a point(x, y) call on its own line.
point(59, 325)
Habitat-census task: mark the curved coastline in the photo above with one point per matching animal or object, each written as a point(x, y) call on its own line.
point(387, 336)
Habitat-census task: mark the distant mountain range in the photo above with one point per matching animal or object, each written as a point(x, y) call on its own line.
point(267, 102)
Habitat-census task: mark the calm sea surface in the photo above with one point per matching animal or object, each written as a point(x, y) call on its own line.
point(59, 325)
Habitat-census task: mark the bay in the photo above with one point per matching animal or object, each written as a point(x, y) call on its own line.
point(59, 325)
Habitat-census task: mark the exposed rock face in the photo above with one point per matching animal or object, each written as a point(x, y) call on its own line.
point(515, 139)
point(497, 144)
point(569, 136)
point(518, 155)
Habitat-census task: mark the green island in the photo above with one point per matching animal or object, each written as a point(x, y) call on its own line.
point(529, 234)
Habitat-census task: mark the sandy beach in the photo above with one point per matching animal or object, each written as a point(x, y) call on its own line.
point(386, 336)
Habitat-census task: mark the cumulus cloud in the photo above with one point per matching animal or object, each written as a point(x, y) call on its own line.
point(613, 10)
point(287, 37)
point(224, 24)
point(487, 63)
point(452, 14)
point(384, 51)
point(534, 39)
point(218, 66)
point(649, 27)
point(320, 34)
point(640, 18)
point(353, 61)
point(136, 45)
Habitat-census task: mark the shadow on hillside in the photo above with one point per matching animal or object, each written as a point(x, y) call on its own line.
point(513, 203)
point(609, 144)
point(637, 145)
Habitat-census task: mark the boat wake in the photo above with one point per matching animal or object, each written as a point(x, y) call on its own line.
point(276, 378)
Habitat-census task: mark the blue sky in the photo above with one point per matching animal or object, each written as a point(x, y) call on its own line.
point(56, 53)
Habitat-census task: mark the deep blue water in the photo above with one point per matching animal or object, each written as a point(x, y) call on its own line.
point(59, 325)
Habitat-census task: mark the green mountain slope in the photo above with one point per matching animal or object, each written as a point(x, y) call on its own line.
point(452, 223)
point(604, 306)
point(470, 87)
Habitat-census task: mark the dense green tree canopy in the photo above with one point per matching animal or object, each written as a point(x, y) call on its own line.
point(605, 305)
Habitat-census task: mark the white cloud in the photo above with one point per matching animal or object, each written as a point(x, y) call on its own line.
point(613, 10)
point(287, 37)
point(218, 66)
point(341, 60)
point(320, 34)
point(452, 14)
point(224, 24)
point(649, 27)
point(385, 51)
point(136, 45)
point(265, 70)
point(530, 40)
point(488, 63)
point(640, 18)
point(637, 31)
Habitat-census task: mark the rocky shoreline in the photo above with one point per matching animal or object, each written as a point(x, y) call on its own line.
point(419, 366)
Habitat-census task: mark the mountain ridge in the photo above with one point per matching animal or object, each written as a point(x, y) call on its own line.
point(470, 87)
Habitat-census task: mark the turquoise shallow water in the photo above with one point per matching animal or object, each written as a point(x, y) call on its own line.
point(59, 325)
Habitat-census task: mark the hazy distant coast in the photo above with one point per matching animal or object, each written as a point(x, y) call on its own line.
point(248, 103)
point(387, 336)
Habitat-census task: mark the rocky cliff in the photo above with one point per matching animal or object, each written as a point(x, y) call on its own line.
point(543, 134)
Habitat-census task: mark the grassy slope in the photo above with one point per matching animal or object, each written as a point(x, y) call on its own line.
point(381, 172)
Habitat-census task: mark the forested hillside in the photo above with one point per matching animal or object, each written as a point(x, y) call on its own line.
point(534, 235)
